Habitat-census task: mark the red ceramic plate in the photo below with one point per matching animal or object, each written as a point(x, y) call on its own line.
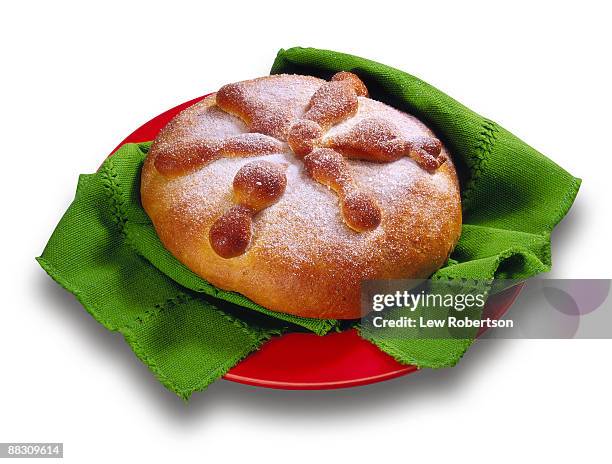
point(302, 361)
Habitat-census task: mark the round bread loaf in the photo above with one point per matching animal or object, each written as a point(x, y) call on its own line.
point(292, 190)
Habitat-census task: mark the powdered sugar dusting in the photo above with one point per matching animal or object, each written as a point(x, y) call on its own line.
point(201, 121)
point(304, 231)
point(409, 126)
point(269, 105)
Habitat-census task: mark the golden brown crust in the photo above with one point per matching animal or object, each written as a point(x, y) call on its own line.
point(304, 136)
point(357, 83)
point(332, 102)
point(359, 211)
point(260, 220)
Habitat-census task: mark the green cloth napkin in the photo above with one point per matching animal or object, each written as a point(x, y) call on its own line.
point(105, 250)
point(512, 195)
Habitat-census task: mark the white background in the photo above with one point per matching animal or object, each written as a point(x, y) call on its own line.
point(76, 79)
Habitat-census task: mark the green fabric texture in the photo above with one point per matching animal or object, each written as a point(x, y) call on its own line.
point(185, 340)
point(106, 252)
point(512, 195)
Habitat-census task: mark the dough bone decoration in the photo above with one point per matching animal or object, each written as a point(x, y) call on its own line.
point(256, 186)
point(260, 184)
